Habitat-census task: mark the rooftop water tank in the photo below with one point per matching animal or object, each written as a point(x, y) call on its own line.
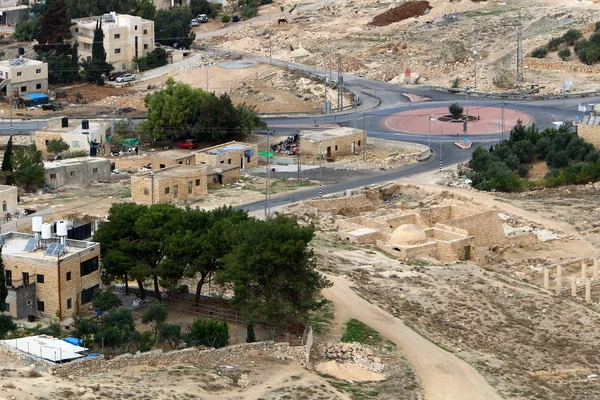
point(46, 231)
point(61, 228)
point(36, 224)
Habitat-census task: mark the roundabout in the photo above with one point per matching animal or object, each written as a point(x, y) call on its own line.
point(482, 120)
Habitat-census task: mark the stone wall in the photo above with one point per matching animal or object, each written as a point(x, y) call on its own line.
point(355, 203)
point(485, 227)
point(547, 65)
point(18, 355)
point(194, 356)
point(352, 352)
point(590, 133)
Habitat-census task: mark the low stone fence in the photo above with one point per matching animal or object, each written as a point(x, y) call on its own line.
point(194, 356)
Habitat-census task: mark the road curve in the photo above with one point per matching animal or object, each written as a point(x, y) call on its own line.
point(443, 376)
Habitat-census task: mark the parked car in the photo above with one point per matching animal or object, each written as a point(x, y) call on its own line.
point(203, 18)
point(187, 144)
point(194, 22)
point(115, 75)
point(125, 78)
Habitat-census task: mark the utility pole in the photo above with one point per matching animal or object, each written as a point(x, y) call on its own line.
point(340, 83)
point(516, 23)
point(268, 175)
point(298, 148)
point(475, 54)
point(502, 140)
point(320, 169)
point(466, 127)
point(364, 139)
point(429, 131)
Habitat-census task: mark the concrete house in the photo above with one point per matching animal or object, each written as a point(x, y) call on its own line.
point(49, 275)
point(77, 171)
point(176, 183)
point(125, 37)
point(21, 76)
point(171, 158)
point(8, 198)
point(78, 134)
point(331, 143)
point(242, 155)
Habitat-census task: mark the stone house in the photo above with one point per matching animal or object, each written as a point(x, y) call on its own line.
point(77, 171)
point(589, 129)
point(171, 158)
point(242, 155)
point(79, 135)
point(45, 278)
point(176, 183)
point(125, 37)
point(224, 175)
point(8, 198)
point(331, 143)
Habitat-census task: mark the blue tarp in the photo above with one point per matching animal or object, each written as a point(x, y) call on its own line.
point(34, 99)
point(74, 341)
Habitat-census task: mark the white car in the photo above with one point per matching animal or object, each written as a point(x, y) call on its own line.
point(126, 78)
point(194, 22)
point(202, 18)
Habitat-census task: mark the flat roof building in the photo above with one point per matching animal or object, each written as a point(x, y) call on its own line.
point(49, 275)
point(171, 158)
point(79, 134)
point(77, 171)
point(21, 76)
point(331, 143)
point(170, 184)
point(243, 155)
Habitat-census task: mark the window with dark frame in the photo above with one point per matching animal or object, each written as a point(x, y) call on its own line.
point(40, 278)
point(40, 306)
point(69, 304)
point(69, 276)
point(89, 266)
point(8, 275)
point(87, 294)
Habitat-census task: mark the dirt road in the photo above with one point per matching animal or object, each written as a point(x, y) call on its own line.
point(443, 375)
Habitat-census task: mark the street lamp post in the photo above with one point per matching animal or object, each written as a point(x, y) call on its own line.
point(364, 139)
point(441, 133)
point(429, 131)
point(320, 156)
point(467, 119)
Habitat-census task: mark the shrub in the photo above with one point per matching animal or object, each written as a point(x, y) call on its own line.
point(540, 52)
point(456, 110)
point(208, 332)
point(51, 330)
point(571, 36)
point(145, 342)
point(580, 44)
point(169, 333)
point(504, 79)
point(597, 27)
point(455, 83)
point(155, 315)
point(554, 43)
point(564, 54)
point(225, 18)
point(105, 300)
point(248, 12)
point(6, 325)
point(523, 170)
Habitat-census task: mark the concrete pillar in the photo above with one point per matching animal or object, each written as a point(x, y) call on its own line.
point(595, 268)
point(583, 270)
point(546, 278)
point(588, 290)
point(559, 277)
point(573, 286)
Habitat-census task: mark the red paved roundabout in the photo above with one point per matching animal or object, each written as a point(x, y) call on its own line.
point(417, 121)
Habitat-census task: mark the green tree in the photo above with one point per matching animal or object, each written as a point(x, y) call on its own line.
point(118, 328)
point(208, 332)
point(201, 7)
point(272, 272)
point(456, 110)
point(95, 68)
point(57, 146)
point(8, 163)
point(554, 43)
point(85, 328)
point(154, 59)
point(3, 287)
point(146, 9)
point(564, 54)
point(118, 243)
point(250, 335)
point(6, 325)
point(155, 314)
point(540, 52)
point(171, 28)
point(26, 31)
point(169, 333)
point(29, 167)
point(105, 300)
point(571, 36)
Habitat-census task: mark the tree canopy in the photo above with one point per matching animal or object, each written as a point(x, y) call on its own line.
point(8, 163)
point(179, 110)
point(171, 28)
point(57, 146)
point(3, 287)
point(95, 68)
point(29, 167)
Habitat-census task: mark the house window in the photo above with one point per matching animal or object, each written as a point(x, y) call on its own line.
point(75, 143)
point(160, 166)
point(38, 85)
point(87, 294)
point(25, 278)
point(38, 71)
point(117, 51)
point(3, 205)
point(40, 306)
point(187, 162)
point(336, 147)
point(190, 187)
point(69, 304)
point(69, 276)
point(135, 28)
point(248, 159)
point(197, 182)
point(89, 266)
point(146, 191)
point(52, 176)
point(8, 275)
point(167, 190)
point(146, 46)
point(76, 29)
point(23, 88)
point(229, 161)
point(175, 191)
point(73, 173)
point(117, 36)
point(40, 278)
point(222, 161)
point(179, 162)
point(19, 73)
point(359, 142)
point(145, 33)
point(94, 170)
point(7, 307)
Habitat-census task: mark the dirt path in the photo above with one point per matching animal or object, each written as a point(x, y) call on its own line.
point(443, 375)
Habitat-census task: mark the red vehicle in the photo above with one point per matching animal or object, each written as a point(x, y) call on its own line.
point(187, 144)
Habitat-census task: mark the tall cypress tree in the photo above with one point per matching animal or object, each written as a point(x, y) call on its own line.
point(3, 288)
point(7, 163)
point(94, 67)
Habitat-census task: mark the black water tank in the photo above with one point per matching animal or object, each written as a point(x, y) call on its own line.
point(235, 18)
point(65, 122)
point(85, 124)
point(21, 51)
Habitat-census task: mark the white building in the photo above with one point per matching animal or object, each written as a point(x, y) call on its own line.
point(77, 133)
point(125, 37)
point(24, 76)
